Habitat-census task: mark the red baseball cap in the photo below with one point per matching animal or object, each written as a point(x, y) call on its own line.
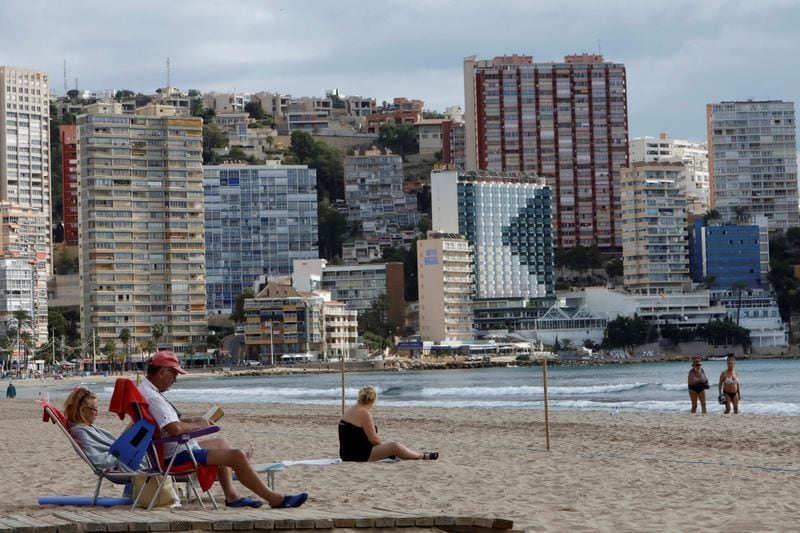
point(167, 359)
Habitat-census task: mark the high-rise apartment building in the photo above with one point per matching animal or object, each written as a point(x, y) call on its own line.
point(654, 236)
point(373, 191)
point(444, 267)
point(508, 221)
point(25, 238)
point(141, 225)
point(25, 170)
point(694, 157)
point(753, 160)
point(68, 135)
point(567, 122)
point(258, 220)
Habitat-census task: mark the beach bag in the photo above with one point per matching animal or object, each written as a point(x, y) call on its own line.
point(722, 399)
point(165, 497)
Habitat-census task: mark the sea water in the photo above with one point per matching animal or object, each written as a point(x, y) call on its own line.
point(768, 387)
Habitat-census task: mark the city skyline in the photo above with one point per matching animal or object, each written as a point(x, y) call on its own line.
point(679, 56)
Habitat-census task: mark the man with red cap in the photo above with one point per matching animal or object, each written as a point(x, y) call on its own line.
point(162, 371)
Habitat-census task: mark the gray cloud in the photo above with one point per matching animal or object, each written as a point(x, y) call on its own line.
point(680, 54)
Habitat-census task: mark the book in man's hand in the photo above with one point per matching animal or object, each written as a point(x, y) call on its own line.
point(214, 414)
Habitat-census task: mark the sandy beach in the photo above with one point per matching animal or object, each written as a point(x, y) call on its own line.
point(624, 472)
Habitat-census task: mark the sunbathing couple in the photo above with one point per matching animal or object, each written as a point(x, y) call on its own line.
point(81, 411)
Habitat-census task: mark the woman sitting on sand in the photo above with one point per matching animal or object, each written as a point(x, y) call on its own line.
point(358, 435)
point(80, 408)
point(698, 383)
point(729, 386)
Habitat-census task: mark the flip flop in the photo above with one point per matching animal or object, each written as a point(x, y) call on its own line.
point(294, 500)
point(245, 502)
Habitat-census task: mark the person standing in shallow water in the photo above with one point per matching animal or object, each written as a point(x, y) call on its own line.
point(358, 435)
point(698, 383)
point(729, 386)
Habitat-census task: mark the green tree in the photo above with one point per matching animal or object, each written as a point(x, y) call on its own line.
point(26, 344)
point(614, 268)
point(711, 216)
point(332, 229)
point(399, 138)
point(238, 315)
point(255, 110)
point(124, 94)
point(148, 346)
point(213, 137)
point(375, 320)
point(157, 333)
point(125, 338)
point(66, 264)
point(741, 215)
point(111, 352)
point(301, 145)
point(738, 287)
point(6, 347)
point(625, 331)
point(22, 320)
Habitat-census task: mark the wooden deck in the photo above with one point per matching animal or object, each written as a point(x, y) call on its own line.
point(90, 519)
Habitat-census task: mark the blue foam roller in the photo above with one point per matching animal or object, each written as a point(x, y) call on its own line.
point(83, 500)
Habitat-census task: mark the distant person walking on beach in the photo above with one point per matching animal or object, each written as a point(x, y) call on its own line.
point(698, 383)
point(11, 391)
point(358, 435)
point(729, 386)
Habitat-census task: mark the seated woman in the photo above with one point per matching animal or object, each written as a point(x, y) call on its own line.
point(80, 408)
point(358, 435)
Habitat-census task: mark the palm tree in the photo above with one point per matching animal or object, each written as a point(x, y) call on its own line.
point(739, 287)
point(6, 345)
point(148, 346)
point(188, 353)
point(111, 352)
point(712, 215)
point(157, 332)
point(23, 319)
point(25, 341)
point(741, 215)
point(125, 338)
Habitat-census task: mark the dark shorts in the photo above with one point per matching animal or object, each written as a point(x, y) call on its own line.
point(200, 455)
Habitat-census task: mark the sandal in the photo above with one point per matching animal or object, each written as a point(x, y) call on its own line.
point(430, 456)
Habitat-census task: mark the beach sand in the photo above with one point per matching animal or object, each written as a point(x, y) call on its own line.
point(624, 472)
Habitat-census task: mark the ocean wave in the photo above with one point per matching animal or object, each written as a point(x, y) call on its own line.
point(528, 390)
point(673, 386)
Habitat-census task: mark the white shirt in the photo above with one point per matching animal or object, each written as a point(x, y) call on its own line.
point(163, 414)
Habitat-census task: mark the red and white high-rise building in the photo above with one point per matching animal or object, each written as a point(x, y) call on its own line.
point(69, 181)
point(566, 121)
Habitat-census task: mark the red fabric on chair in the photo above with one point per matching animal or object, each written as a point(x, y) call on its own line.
point(127, 400)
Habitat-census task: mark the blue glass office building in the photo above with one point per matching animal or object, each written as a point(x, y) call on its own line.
point(258, 219)
point(728, 254)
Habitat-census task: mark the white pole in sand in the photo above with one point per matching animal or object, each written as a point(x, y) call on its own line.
point(546, 413)
point(342, 358)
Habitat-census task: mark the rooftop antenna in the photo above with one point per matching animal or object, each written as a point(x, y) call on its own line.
point(66, 89)
point(599, 47)
point(168, 85)
point(76, 84)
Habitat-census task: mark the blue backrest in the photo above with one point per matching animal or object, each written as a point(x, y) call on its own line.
point(131, 446)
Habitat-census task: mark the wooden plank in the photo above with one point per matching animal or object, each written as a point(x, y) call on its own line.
point(38, 525)
point(201, 523)
point(502, 523)
point(423, 521)
point(83, 522)
point(17, 525)
point(61, 525)
point(323, 523)
point(385, 521)
point(344, 522)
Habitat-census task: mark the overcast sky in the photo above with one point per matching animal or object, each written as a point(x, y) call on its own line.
point(680, 54)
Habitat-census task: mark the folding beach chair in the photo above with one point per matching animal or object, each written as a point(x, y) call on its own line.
point(52, 414)
point(127, 400)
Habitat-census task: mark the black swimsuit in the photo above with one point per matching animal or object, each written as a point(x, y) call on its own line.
point(353, 443)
